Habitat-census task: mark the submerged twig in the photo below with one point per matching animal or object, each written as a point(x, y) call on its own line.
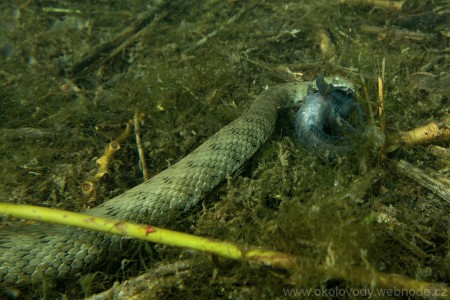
point(380, 113)
point(383, 32)
point(214, 32)
point(147, 285)
point(137, 130)
point(252, 255)
point(28, 133)
point(327, 48)
point(149, 233)
point(435, 183)
point(89, 186)
point(106, 50)
point(394, 5)
point(330, 67)
point(432, 132)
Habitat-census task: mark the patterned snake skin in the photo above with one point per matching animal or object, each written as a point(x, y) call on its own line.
point(32, 254)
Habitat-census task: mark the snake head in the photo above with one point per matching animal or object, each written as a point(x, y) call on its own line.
point(324, 87)
point(327, 85)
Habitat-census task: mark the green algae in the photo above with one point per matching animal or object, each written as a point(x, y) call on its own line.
point(192, 72)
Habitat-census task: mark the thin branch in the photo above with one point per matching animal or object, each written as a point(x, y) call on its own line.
point(137, 130)
point(435, 183)
point(252, 255)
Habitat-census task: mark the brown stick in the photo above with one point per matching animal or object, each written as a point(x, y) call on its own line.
point(383, 32)
point(89, 186)
point(99, 54)
point(394, 5)
point(380, 113)
point(434, 182)
point(137, 129)
point(430, 133)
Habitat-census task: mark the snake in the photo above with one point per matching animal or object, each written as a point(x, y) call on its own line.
point(32, 254)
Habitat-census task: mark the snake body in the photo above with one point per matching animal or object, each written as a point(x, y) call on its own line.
point(32, 254)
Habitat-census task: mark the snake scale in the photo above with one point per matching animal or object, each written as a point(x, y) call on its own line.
point(34, 253)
